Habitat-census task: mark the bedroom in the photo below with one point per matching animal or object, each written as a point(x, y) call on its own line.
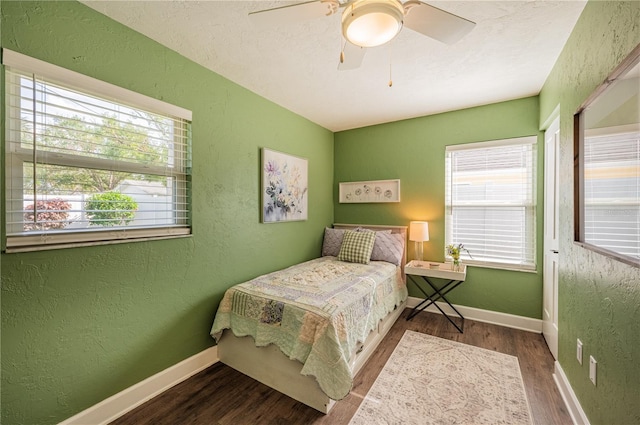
point(79, 325)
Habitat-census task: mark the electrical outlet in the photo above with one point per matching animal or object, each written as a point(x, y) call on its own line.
point(592, 369)
point(579, 351)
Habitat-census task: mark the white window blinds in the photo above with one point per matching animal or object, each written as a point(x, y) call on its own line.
point(612, 192)
point(85, 164)
point(490, 202)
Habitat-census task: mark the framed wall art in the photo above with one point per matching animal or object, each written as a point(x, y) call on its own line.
point(284, 187)
point(370, 191)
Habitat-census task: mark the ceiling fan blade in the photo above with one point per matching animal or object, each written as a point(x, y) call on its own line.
point(436, 23)
point(291, 14)
point(351, 57)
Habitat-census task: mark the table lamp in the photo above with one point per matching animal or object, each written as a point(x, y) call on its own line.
point(419, 233)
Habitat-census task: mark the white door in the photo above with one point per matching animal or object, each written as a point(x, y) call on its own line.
point(550, 265)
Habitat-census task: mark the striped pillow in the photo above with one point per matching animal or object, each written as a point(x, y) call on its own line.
point(389, 247)
point(357, 246)
point(332, 241)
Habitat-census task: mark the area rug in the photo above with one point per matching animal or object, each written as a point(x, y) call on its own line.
point(430, 380)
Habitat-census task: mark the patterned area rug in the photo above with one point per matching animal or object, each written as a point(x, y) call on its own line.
point(430, 380)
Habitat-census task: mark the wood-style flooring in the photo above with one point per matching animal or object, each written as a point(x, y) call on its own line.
point(221, 395)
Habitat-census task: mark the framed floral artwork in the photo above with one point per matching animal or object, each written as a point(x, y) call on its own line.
point(370, 191)
point(284, 187)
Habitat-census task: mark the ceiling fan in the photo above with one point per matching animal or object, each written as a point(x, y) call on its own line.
point(371, 23)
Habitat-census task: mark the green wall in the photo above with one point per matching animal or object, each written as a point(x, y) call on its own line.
point(79, 325)
point(599, 298)
point(414, 152)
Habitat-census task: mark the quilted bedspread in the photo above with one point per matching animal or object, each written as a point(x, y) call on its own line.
point(316, 312)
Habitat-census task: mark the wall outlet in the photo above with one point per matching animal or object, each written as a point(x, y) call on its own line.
point(592, 369)
point(579, 351)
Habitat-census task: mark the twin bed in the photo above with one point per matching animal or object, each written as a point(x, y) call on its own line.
point(307, 330)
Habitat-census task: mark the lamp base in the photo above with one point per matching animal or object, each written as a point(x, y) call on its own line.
point(419, 254)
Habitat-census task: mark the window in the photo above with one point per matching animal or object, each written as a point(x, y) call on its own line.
point(612, 191)
point(491, 202)
point(88, 162)
point(607, 165)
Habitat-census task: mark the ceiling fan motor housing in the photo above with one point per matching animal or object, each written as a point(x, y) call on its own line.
point(370, 23)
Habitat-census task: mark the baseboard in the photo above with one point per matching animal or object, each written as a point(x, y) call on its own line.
point(570, 400)
point(486, 316)
point(132, 397)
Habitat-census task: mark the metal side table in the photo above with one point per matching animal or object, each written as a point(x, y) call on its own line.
point(421, 272)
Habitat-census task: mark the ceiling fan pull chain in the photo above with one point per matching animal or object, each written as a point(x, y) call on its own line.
point(390, 61)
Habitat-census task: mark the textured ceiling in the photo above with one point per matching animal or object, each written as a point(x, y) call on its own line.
point(508, 55)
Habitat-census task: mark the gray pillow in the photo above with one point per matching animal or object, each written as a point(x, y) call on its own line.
point(332, 241)
point(388, 247)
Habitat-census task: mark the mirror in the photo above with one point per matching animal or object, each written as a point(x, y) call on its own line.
point(607, 165)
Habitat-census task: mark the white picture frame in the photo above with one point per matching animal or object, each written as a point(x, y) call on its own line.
point(371, 191)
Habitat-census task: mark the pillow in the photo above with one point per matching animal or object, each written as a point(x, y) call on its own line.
point(357, 246)
point(388, 247)
point(362, 229)
point(332, 241)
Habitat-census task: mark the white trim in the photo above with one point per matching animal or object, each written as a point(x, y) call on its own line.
point(527, 140)
point(487, 316)
point(35, 248)
point(74, 79)
point(27, 243)
point(128, 399)
point(570, 400)
point(555, 114)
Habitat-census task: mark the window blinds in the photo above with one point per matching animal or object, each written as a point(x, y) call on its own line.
point(81, 163)
point(612, 192)
point(491, 203)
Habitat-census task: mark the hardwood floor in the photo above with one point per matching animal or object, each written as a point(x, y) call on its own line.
point(221, 395)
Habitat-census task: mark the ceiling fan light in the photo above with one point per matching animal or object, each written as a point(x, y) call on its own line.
point(370, 23)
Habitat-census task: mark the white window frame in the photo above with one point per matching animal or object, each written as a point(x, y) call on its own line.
point(15, 157)
point(531, 228)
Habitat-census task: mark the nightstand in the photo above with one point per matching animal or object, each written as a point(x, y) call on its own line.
point(421, 274)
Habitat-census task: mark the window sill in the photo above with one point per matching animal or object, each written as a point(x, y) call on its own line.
point(497, 266)
point(610, 254)
point(32, 244)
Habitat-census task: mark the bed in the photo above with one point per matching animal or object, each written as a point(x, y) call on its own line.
point(308, 329)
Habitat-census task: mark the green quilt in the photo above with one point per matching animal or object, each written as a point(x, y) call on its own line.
point(316, 312)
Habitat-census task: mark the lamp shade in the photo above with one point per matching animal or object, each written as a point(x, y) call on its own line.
point(419, 231)
point(370, 23)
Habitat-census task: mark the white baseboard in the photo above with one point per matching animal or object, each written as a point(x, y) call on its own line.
point(570, 400)
point(486, 316)
point(132, 397)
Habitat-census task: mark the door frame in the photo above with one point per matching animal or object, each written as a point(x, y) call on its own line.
point(551, 240)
